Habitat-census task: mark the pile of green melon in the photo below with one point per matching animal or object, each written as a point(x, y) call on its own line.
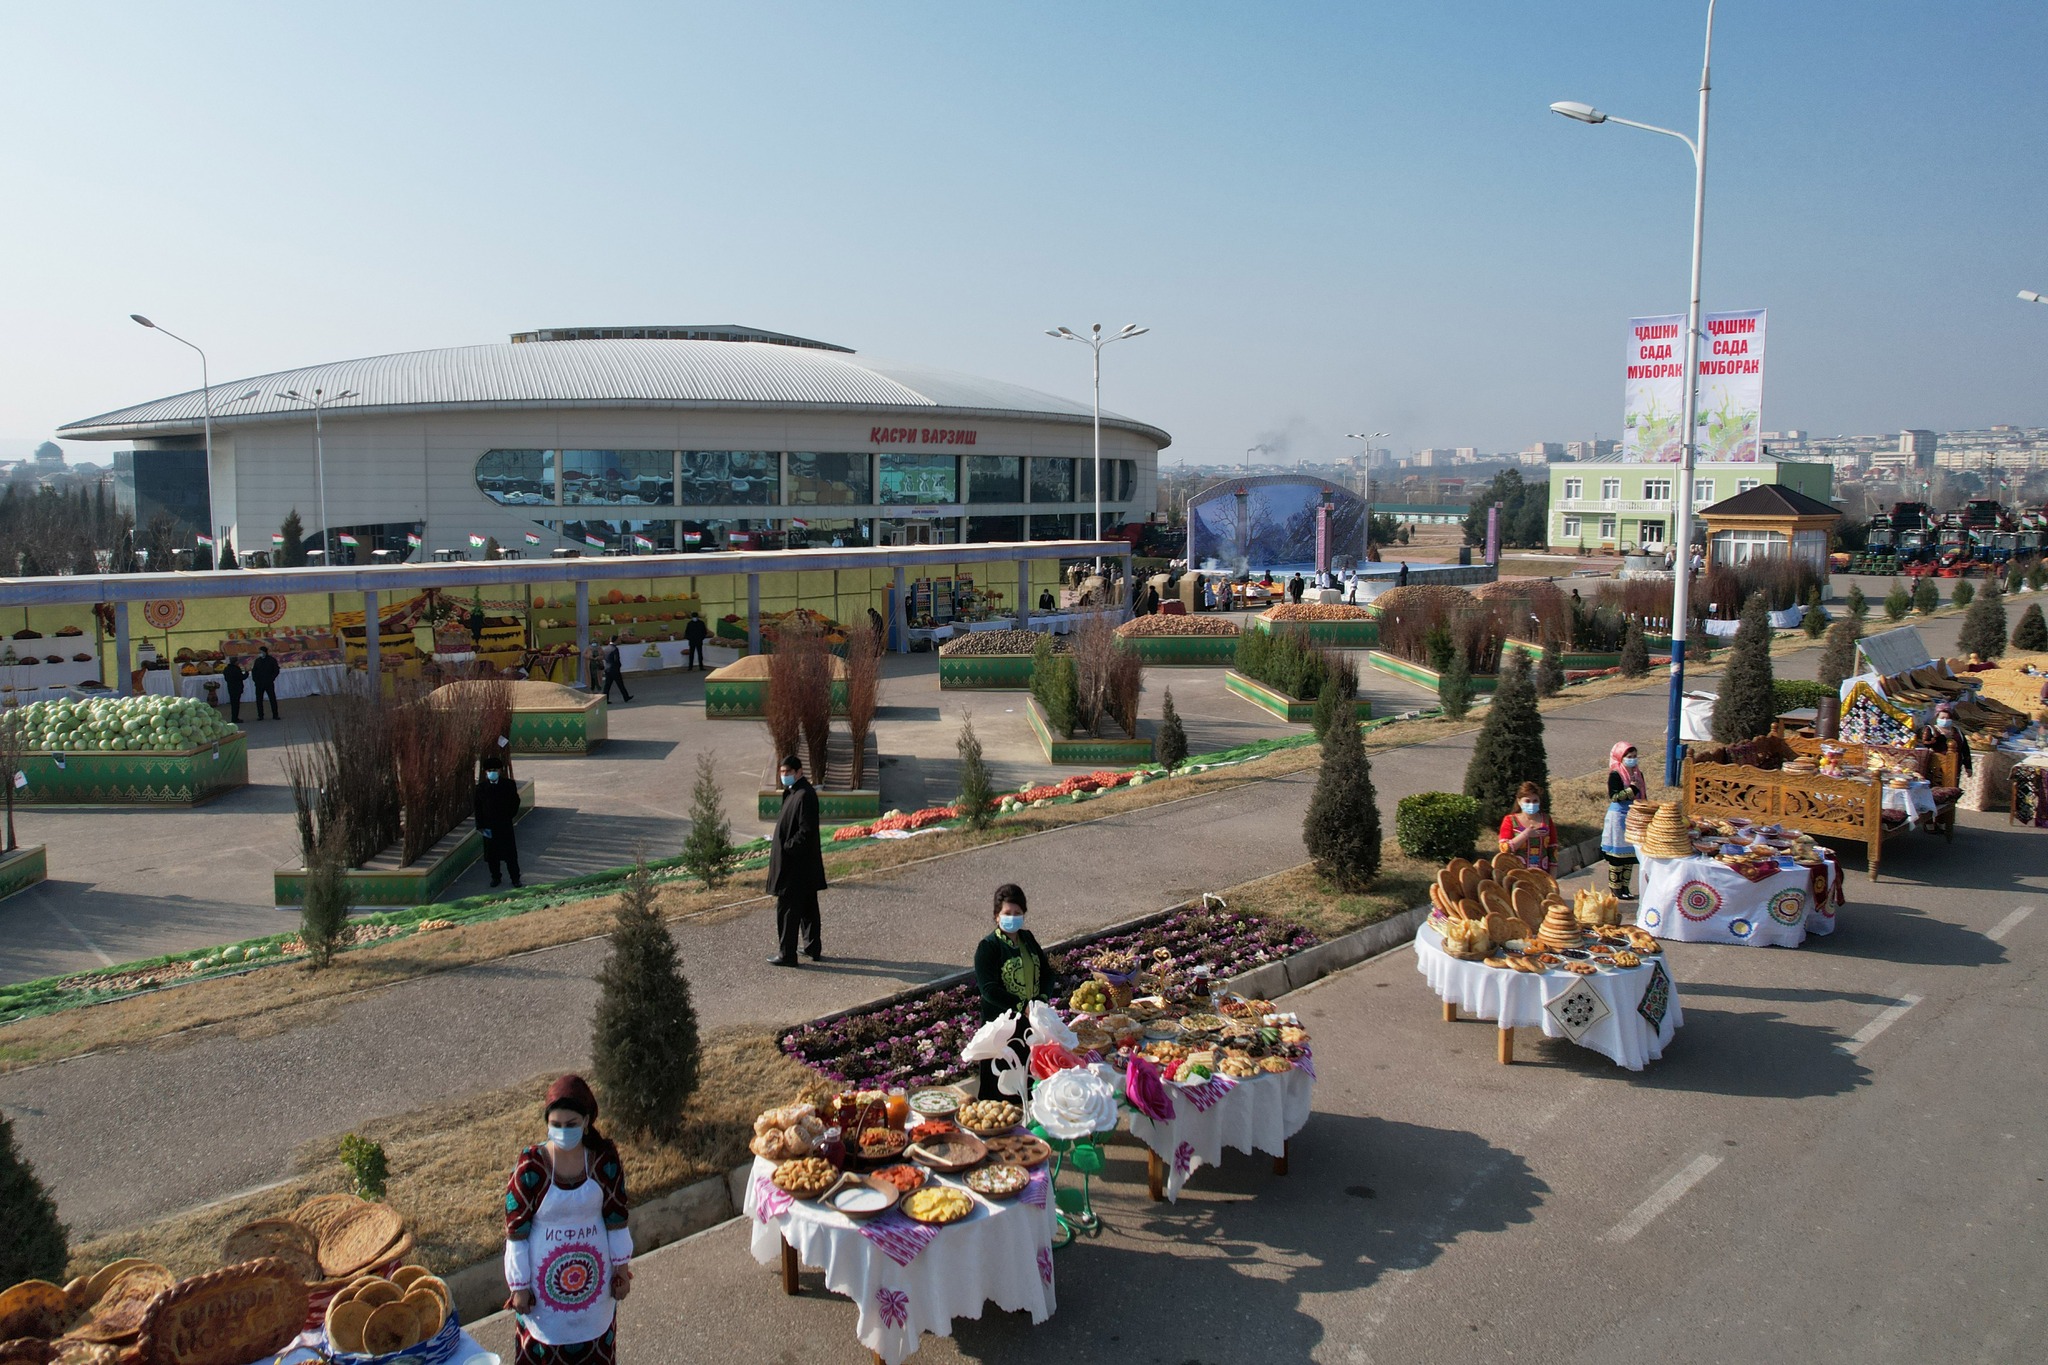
point(120, 725)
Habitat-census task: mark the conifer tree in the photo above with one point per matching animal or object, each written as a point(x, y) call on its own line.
point(1635, 652)
point(1964, 593)
point(1550, 671)
point(1342, 828)
point(1173, 739)
point(291, 553)
point(1815, 622)
point(228, 557)
point(1746, 705)
point(1858, 606)
point(1454, 686)
point(977, 803)
point(1926, 597)
point(1838, 657)
point(643, 1046)
point(1509, 750)
point(708, 851)
point(1983, 632)
point(1897, 602)
point(2032, 631)
point(35, 1247)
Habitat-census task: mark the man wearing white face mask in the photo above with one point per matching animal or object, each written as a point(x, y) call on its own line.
point(497, 806)
point(796, 866)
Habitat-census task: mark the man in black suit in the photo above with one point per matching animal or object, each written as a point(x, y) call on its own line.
point(236, 679)
point(497, 806)
point(264, 674)
point(796, 866)
point(614, 671)
point(695, 633)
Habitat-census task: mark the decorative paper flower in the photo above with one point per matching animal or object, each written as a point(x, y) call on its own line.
point(1047, 1058)
point(991, 1040)
point(1146, 1091)
point(1047, 1027)
point(1074, 1104)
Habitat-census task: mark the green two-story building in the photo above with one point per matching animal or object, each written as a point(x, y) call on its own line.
point(1611, 507)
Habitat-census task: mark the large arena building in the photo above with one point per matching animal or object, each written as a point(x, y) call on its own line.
point(624, 440)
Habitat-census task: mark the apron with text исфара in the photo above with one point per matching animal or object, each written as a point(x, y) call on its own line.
point(572, 1266)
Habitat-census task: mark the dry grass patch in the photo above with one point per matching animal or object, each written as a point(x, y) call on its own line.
point(449, 1163)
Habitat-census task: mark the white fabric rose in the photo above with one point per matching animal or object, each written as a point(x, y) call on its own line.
point(992, 1040)
point(1074, 1104)
point(1047, 1027)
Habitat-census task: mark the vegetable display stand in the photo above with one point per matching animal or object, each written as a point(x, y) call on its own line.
point(1086, 752)
point(739, 691)
point(1277, 703)
point(381, 884)
point(1184, 651)
point(1424, 676)
point(131, 777)
point(985, 672)
point(22, 868)
point(570, 729)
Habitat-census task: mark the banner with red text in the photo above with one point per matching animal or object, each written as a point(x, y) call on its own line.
point(1731, 389)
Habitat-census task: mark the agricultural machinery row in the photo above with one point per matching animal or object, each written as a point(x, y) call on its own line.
point(1915, 540)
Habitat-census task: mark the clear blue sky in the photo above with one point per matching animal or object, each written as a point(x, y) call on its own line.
point(1330, 215)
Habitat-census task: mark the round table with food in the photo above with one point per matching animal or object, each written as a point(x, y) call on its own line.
point(1501, 944)
point(1735, 881)
point(921, 1217)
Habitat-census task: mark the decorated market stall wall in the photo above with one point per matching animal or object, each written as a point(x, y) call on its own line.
point(296, 626)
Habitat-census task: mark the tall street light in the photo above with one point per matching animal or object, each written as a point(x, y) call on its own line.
point(1366, 492)
point(1681, 576)
point(317, 403)
point(2029, 296)
point(1095, 341)
point(206, 409)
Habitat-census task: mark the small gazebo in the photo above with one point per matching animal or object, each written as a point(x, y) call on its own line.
point(1769, 520)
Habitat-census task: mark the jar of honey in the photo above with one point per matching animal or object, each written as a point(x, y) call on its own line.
point(899, 1108)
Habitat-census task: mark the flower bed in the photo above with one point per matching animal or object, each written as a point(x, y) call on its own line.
point(917, 1040)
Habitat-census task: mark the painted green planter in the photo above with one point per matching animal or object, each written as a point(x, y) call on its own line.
point(156, 778)
point(1184, 651)
point(22, 869)
point(1089, 753)
point(986, 672)
point(747, 698)
point(1482, 683)
point(1353, 634)
point(1279, 704)
point(561, 729)
point(381, 884)
point(859, 804)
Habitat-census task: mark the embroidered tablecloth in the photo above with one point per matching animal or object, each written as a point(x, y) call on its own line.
point(1703, 900)
point(1001, 1254)
point(1627, 1016)
point(1256, 1114)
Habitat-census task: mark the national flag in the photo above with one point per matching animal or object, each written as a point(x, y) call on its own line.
point(207, 541)
point(348, 540)
point(642, 542)
point(476, 542)
point(276, 538)
point(799, 523)
point(593, 542)
point(412, 540)
point(532, 539)
point(693, 537)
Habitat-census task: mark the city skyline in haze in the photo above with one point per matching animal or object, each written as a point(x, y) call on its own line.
point(1333, 219)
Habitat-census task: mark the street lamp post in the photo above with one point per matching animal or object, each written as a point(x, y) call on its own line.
point(2029, 296)
point(317, 403)
point(1366, 492)
point(1095, 341)
point(1681, 576)
point(206, 415)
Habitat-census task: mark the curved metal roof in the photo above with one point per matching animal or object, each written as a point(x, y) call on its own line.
point(722, 375)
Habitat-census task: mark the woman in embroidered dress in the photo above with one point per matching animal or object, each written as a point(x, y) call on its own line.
point(1011, 971)
point(1527, 832)
point(567, 1250)
point(1625, 787)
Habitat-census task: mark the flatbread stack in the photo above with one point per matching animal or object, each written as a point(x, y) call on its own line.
point(330, 1239)
point(1504, 896)
point(1668, 834)
point(1640, 814)
point(374, 1316)
point(135, 1310)
point(1560, 927)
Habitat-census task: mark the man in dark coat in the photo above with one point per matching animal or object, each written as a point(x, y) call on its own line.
point(235, 678)
point(497, 806)
point(264, 674)
point(1295, 585)
point(614, 671)
point(796, 866)
point(1401, 579)
point(694, 635)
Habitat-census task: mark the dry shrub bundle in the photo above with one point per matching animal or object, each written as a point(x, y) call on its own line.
point(1096, 655)
point(784, 713)
point(437, 742)
point(863, 694)
point(1726, 588)
point(344, 785)
point(803, 675)
point(1121, 690)
point(1535, 609)
point(1477, 628)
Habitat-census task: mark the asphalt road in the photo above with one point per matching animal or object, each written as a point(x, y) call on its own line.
point(1838, 1159)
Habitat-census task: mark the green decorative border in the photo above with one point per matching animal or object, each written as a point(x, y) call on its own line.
point(1279, 704)
point(1482, 683)
point(1184, 651)
point(1590, 662)
point(859, 804)
point(986, 672)
point(555, 731)
point(22, 869)
point(382, 888)
point(747, 698)
point(1356, 633)
point(1089, 753)
point(93, 777)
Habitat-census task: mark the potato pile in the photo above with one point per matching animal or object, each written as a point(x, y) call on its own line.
point(985, 642)
point(1177, 625)
point(1315, 611)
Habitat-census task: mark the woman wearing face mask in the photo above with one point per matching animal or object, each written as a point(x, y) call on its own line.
point(1527, 832)
point(1011, 970)
point(1625, 786)
point(567, 1250)
point(1944, 734)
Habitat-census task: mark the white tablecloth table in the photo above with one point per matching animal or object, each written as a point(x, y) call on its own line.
point(1915, 800)
point(667, 654)
point(299, 680)
point(1001, 1254)
point(1703, 900)
point(1256, 1114)
point(1518, 1000)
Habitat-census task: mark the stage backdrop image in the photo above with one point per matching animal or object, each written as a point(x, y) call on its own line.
point(1274, 522)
